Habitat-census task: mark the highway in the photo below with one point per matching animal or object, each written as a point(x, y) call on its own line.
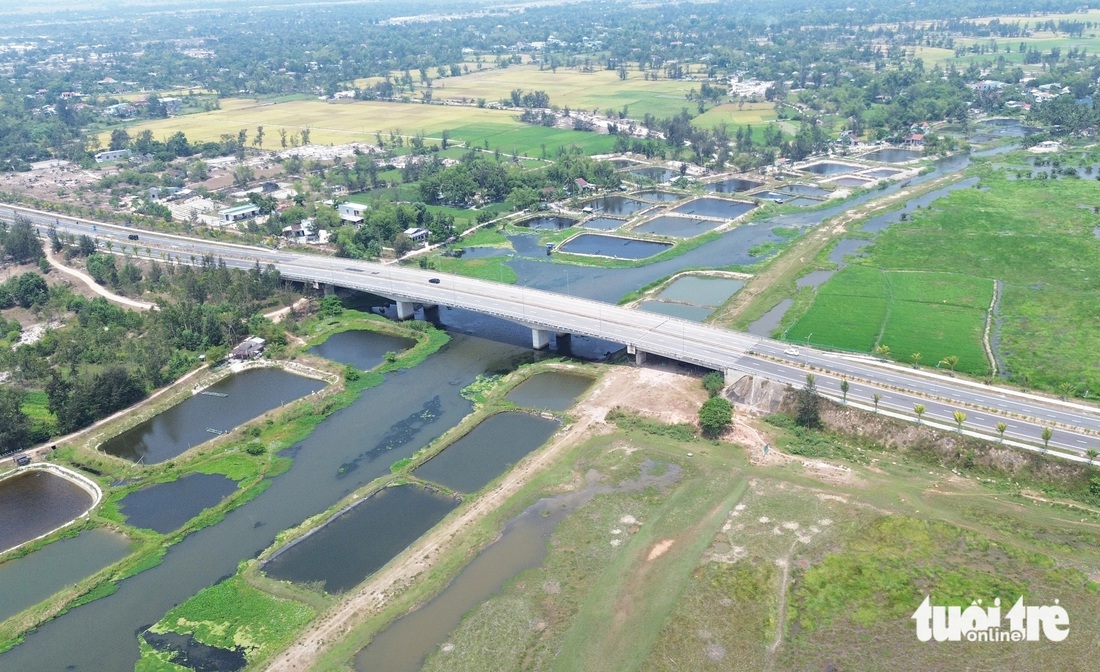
point(1076, 426)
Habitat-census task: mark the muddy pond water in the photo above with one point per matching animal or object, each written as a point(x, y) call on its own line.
point(360, 540)
point(613, 246)
point(550, 391)
point(165, 507)
point(659, 196)
point(548, 223)
point(714, 207)
point(732, 185)
point(678, 227)
point(693, 297)
point(220, 408)
point(34, 502)
point(362, 349)
point(655, 173)
point(32, 578)
point(603, 223)
point(830, 168)
point(893, 155)
point(617, 205)
point(491, 448)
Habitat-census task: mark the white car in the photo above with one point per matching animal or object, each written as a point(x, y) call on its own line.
point(793, 352)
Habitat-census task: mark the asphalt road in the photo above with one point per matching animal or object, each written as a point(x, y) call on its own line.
point(1076, 426)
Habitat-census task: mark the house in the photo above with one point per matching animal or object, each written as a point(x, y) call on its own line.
point(250, 348)
point(171, 105)
point(417, 234)
point(238, 212)
point(302, 232)
point(914, 140)
point(583, 184)
point(352, 212)
point(112, 155)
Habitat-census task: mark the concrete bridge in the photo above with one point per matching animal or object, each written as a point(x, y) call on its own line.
point(886, 385)
point(546, 313)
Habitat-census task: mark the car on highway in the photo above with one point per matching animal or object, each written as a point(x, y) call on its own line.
point(132, 236)
point(434, 281)
point(793, 352)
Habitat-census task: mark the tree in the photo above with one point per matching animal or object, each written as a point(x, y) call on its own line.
point(883, 351)
point(1046, 435)
point(915, 358)
point(1066, 390)
point(715, 415)
point(950, 362)
point(809, 404)
point(15, 425)
point(844, 390)
point(331, 306)
point(919, 410)
point(258, 139)
point(960, 418)
point(1001, 428)
point(713, 383)
point(876, 397)
point(20, 240)
point(305, 135)
point(1092, 453)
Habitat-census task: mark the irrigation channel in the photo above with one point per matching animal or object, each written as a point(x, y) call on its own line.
point(346, 451)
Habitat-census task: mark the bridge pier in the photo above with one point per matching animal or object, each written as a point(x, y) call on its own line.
point(328, 288)
point(406, 310)
point(639, 355)
point(431, 314)
point(540, 338)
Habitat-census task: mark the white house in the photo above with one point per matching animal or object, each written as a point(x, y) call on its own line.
point(352, 212)
point(112, 155)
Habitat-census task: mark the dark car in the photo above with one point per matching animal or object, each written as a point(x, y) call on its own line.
point(23, 460)
point(133, 236)
point(434, 281)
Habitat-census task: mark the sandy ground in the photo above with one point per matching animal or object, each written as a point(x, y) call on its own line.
point(658, 392)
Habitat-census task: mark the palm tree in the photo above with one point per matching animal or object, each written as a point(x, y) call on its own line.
point(915, 357)
point(1066, 390)
point(1047, 433)
point(876, 397)
point(960, 418)
point(919, 410)
point(883, 351)
point(1001, 427)
point(1092, 453)
point(844, 390)
point(950, 362)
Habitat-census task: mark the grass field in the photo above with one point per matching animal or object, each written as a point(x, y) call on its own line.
point(734, 114)
point(782, 564)
point(598, 90)
point(1036, 238)
point(936, 314)
point(339, 123)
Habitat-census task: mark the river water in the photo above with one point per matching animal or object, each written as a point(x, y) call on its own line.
point(100, 636)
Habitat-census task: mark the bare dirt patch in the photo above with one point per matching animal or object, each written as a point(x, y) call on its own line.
point(659, 549)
